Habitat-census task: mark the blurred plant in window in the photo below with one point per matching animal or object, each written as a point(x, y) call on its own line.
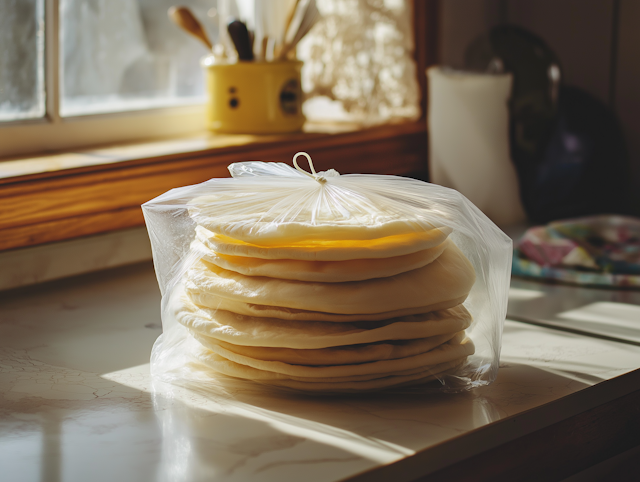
point(359, 64)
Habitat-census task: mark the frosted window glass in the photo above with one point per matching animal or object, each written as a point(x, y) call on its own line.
point(120, 55)
point(21, 59)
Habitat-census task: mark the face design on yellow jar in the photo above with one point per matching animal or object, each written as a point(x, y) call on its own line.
point(234, 102)
point(289, 97)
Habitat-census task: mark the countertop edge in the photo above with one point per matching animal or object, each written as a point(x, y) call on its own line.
point(470, 444)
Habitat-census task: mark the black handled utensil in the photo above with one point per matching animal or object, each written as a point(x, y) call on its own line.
point(241, 39)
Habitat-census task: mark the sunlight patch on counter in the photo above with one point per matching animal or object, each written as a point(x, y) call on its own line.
point(521, 294)
point(606, 313)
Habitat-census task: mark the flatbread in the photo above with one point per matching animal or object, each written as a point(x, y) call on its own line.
point(345, 384)
point(231, 368)
point(456, 348)
point(339, 250)
point(340, 355)
point(449, 277)
point(270, 332)
point(320, 271)
point(253, 331)
point(263, 311)
point(396, 381)
point(301, 213)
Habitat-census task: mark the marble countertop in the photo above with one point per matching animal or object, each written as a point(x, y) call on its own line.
point(607, 313)
point(77, 402)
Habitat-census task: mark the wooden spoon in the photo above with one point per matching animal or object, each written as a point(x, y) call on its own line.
point(304, 18)
point(184, 18)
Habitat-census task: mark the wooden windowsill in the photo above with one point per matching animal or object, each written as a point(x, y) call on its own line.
point(198, 144)
point(68, 195)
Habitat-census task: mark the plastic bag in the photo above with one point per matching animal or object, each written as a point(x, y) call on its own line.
point(326, 283)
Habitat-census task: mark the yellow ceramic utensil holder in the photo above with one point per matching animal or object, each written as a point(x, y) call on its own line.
point(254, 97)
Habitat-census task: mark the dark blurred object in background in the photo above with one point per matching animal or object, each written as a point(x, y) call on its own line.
point(567, 147)
point(585, 168)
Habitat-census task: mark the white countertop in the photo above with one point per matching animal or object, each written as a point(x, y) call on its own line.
point(77, 402)
point(608, 313)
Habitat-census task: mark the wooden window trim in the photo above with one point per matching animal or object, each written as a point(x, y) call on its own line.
point(68, 195)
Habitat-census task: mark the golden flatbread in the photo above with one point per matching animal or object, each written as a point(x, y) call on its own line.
point(320, 271)
point(345, 384)
point(456, 348)
point(339, 355)
point(309, 212)
point(263, 311)
point(449, 277)
point(338, 250)
point(270, 332)
point(396, 381)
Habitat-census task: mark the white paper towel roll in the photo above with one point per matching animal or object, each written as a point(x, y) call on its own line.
point(468, 125)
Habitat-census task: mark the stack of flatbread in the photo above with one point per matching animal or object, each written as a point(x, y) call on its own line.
point(326, 305)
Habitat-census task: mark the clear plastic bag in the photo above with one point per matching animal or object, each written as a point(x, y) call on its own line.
point(326, 283)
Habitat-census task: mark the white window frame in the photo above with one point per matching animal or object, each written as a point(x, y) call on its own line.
point(54, 133)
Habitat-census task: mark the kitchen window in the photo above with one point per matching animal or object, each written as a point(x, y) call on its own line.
point(118, 65)
point(80, 190)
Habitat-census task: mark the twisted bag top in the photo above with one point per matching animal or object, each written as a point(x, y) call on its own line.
point(276, 205)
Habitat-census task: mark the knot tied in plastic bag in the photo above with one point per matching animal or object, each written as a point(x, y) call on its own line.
point(327, 283)
point(314, 175)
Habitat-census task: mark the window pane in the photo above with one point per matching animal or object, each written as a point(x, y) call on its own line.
point(118, 55)
point(21, 59)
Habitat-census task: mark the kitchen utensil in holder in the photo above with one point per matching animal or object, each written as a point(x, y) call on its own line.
point(253, 97)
